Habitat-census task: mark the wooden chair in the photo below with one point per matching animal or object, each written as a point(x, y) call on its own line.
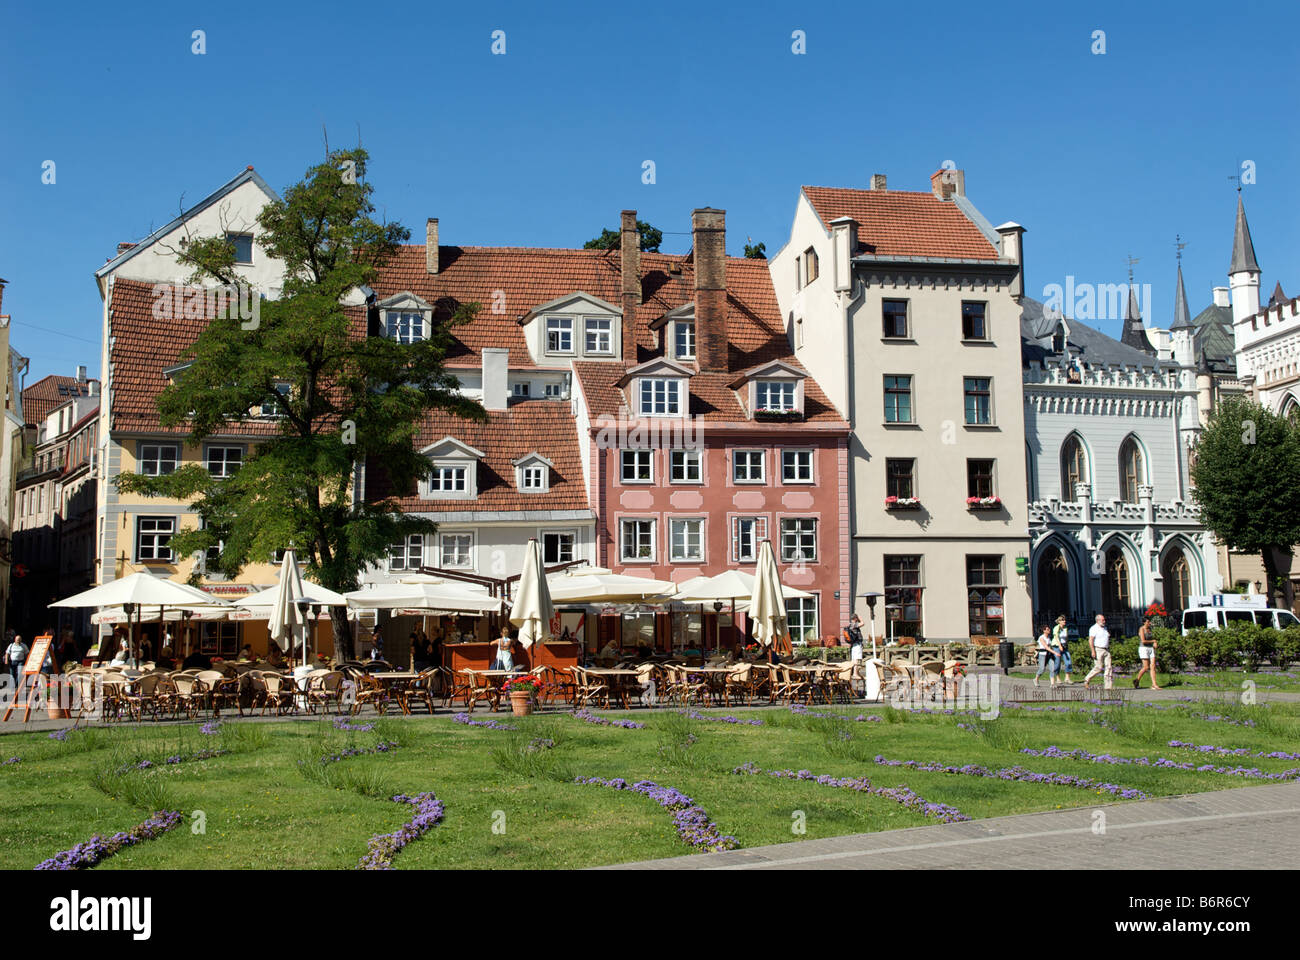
point(479, 689)
point(793, 686)
point(842, 682)
point(374, 692)
point(324, 689)
point(420, 691)
point(558, 686)
point(587, 689)
point(738, 683)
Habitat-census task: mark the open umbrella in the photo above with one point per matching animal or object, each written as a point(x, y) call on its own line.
point(532, 610)
point(598, 585)
point(429, 595)
point(767, 608)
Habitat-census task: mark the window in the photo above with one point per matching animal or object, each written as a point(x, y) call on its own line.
point(243, 244)
point(224, 461)
point(533, 478)
point(520, 388)
point(895, 318)
point(979, 401)
point(684, 466)
point(898, 399)
point(747, 466)
point(979, 478)
point(558, 547)
point(796, 466)
point(810, 264)
point(798, 272)
point(774, 395)
point(1053, 585)
point(684, 340)
point(661, 396)
point(1131, 474)
point(404, 326)
point(687, 540)
point(1115, 584)
point(798, 539)
point(801, 618)
point(274, 407)
point(158, 459)
point(219, 638)
point(637, 466)
point(454, 549)
point(900, 477)
point(559, 335)
point(448, 480)
point(1194, 619)
point(636, 540)
point(407, 554)
point(973, 326)
point(1178, 580)
point(152, 537)
point(1074, 466)
point(553, 391)
point(599, 336)
point(903, 597)
point(746, 534)
point(984, 590)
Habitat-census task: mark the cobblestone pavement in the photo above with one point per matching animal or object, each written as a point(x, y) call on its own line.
point(1248, 828)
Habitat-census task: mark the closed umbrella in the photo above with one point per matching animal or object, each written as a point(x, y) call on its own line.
point(288, 620)
point(532, 610)
point(767, 608)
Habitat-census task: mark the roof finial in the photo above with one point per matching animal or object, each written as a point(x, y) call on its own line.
point(1131, 260)
point(1178, 247)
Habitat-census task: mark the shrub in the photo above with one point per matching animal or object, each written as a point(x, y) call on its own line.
point(1124, 654)
point(1288, 647)
point(1171, 650)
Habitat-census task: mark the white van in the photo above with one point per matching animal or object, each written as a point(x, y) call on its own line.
point(1217, 611)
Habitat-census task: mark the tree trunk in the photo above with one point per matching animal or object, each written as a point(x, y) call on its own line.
point(342, 634)
point(1277, 572)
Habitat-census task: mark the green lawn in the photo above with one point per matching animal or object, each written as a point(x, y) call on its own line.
point(509, 807)
point(1229, 681)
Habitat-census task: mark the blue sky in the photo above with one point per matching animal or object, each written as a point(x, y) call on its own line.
point(1099, 156)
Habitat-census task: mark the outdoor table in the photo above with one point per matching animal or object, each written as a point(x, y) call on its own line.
point(396, 681)
point(496, 678)
point(620, 679)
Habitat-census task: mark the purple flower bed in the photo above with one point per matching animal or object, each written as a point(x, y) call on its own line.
point(383, 746)
point(1229, 752)
point(382, 848)
point(87, 854)
point(586, 716)
point(173, 760)
point(13, 760)
point(491, 724)
point(61, 735)
point(696, 715)
point(900, 794)
point(341, 723)
point(1217, 718)
point(1019, 774)
point(210, 728)
point(538, 744)
point(1250, 773)
point(693, 825)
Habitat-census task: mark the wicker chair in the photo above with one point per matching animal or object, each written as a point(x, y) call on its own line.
point(586, 689)
point(739, 684)
point(373, 692)
point(793, 686)
point(324, 689)
point(479, 689)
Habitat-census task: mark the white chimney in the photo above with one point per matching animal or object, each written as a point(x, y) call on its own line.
point(431, 262)
point(1221, 297)
point(879, 181)
point(81, 374)
point(496, 378)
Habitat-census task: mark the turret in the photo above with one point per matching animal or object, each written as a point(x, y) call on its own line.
point(1243, 278)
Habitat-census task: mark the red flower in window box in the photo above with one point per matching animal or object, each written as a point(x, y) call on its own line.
point(984, 503)
point(902, 503)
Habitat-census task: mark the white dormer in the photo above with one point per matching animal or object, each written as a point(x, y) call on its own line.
point(677, 328)
point(576, 326)
point(774, 389)
point(454, 471)
point(658, 388)
point(405, 318)
point(533, 473)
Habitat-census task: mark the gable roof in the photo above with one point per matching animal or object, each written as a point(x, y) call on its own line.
point(47, 393)
point(900, 223)
point(245, 176)
point(1091, 346)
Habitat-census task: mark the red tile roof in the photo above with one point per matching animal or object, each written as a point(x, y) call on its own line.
point(47, 393)
point(544, 426)
point(899, 223)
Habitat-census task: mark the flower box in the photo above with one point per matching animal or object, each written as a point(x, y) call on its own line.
point(983, 503)
point(779, 416)
point(902, 503)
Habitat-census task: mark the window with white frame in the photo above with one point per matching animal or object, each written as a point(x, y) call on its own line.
point(520, 388)
point(407, 554)
point(599, 335)
point(798, 539)
point(637, 466)
point(684, 466)
point(684, 340)
point(636, 540)
point(553, 391)
point(158, 459)
point(404, 326)
point(661, 396)
point(796, 466)
point(559, 546)
point(449, 479)
point(747, 466)
point(746, 534)
point(152, 535)
point(532, 478)
point(454, 549)
point(801, 617)
point(777, 395)
point(275, 407)
point(686, 540)
point(559, 335)
point(223, 462)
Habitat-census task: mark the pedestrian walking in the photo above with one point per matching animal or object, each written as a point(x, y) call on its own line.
point(1061, 643)
point(1047, 660)
point(1099, 645)
point(15, 655)
point(1147, 654)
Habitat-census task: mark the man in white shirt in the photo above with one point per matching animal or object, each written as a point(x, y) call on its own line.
point(1099, 644)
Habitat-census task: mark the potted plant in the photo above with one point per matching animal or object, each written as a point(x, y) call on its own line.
point(522, 691)
point(902, 503)
point(983, 503)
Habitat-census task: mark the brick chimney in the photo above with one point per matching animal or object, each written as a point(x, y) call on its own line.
point(948, 182)
point(629, 281)
point(124, 246)
point(878, 181)
point(709, 239)
point(431, 245)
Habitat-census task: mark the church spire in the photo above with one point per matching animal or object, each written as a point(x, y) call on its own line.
point(1182, 316)
point(1243, 250)
point(1135, 331)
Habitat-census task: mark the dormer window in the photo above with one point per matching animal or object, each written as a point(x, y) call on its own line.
point(599, 335)
point(684, 340)
point(660, 397)
point(773, 390)
point(559, 335)
point(453, 472)
point(534, 478)
point(404, 326)
point(533, 473)
point(448, 479)
point(275, 409)
point(775, 395)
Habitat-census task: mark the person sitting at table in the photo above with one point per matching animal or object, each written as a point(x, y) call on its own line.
point(274, 656)
point(419, 649)
point(197, 661)
point(505, 656)
point(377, 645)
point(246, 652)
point(165, 660)
point(610, 653)
point(643, 651)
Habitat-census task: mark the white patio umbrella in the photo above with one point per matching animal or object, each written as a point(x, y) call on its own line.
point(259, 605)
point(429, 595)
point(767, 607)
point(288, 620)
point(734, 585)
point(598, 585)
point(532, 610)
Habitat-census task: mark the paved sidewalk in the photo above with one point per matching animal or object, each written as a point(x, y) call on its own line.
point(1251, 828)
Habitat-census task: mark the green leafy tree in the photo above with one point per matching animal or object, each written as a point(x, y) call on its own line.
point(335, 396)
point(755, 251)
point(1246, 476)
point(613, 240)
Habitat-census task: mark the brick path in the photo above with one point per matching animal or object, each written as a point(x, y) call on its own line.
point(1250, 828)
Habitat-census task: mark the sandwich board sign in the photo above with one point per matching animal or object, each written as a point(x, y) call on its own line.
point(27, 685)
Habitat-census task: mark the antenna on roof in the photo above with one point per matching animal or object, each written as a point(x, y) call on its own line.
point(1237, 176)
